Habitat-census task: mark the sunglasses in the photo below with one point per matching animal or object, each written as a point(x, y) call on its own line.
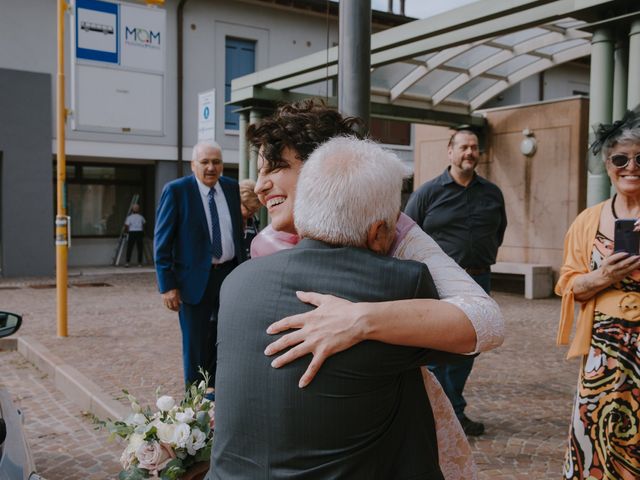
point(621, 161)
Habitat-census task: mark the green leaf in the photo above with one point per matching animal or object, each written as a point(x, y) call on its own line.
point(151, 434)
point(204, 454)
point(173, 470)
point(133, 473)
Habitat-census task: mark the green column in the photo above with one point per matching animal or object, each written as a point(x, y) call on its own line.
point(254, 118)
point(633, 95)
point(243, 147)
point(620, 74)
point(600, 109)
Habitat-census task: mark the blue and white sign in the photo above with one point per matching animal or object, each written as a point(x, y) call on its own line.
point(118, 74)
point(97, 31)
point(207, 116)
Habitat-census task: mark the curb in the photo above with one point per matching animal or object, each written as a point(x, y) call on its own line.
point(68, 380)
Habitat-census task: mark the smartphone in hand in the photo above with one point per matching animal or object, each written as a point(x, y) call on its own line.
point(625, 239)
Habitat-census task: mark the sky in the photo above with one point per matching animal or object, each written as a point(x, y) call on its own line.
point(420, 8)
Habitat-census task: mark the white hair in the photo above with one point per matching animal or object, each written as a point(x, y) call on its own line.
point(628, 136)
point(344, 187)
point(199, 145)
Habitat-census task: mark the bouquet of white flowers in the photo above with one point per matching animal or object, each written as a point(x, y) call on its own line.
point(166, 443)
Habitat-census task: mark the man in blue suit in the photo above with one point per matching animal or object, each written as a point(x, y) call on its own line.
point(197, 243)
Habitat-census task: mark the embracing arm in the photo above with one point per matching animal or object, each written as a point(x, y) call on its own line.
point(338, 324)
point(466, 320)
point(457, 290)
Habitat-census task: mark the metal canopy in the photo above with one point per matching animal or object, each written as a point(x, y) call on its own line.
point(441, 69)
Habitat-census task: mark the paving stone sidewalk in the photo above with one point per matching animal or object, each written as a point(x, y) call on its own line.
point(121, 336)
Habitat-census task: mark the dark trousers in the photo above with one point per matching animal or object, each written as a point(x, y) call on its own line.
point(134, 238)
point(453, 377)
point(199, 326)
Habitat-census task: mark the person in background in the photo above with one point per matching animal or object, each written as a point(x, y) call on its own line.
point(134, 226)
point(249, 205)
point(198, 242)
point(605, 424)
point(465, 214)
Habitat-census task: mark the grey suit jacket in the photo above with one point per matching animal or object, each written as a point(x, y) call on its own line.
point(365, 415)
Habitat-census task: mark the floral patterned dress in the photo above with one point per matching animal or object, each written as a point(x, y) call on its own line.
point(604, 439)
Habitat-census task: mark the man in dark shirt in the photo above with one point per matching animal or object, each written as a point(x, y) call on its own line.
point(464, 213)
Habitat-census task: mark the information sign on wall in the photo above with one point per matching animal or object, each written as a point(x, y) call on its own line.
point(118, 68)
point(207, 116)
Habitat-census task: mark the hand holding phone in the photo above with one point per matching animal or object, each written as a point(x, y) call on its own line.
point(625, 239)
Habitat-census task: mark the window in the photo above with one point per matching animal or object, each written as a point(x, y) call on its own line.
point(240, 59)
point(391, 132)
point(99, 196)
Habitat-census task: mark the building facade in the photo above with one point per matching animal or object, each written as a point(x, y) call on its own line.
point(110, 165)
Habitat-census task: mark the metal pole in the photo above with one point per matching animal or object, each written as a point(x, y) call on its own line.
point(243, 154)
point(180, 86)
point(633, 95)
point(600, 109)
point(354, 58)
point(620, 74)
point(62, 232)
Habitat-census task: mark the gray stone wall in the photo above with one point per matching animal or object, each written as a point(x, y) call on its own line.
point(26, 192)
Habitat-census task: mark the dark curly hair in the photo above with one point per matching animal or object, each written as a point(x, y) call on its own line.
point(301, 126)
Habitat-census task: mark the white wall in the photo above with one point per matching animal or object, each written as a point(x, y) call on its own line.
point(559, 82)
point(28, 38)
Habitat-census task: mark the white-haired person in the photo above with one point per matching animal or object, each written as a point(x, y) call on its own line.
point(366, 415)
point(472, 320)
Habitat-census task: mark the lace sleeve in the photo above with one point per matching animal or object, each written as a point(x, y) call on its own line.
point(456, 287)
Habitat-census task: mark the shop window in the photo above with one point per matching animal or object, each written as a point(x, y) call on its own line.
point(240, 59)
point(99, 196)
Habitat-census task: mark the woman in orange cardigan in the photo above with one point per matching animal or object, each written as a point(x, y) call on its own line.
point(604, 440)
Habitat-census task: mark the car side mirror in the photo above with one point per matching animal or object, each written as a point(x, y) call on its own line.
point(9, 323)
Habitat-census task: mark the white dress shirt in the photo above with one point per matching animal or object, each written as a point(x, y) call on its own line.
point(226, 227)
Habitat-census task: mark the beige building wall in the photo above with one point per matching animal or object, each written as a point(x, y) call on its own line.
point(543, 192)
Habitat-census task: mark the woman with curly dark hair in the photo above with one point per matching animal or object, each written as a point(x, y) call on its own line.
point(465, 319)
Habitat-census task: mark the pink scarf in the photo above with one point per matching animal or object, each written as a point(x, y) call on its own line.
point(269, 241)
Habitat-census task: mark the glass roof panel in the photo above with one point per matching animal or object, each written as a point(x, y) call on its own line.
point(569, 23)
point(472, 89)
point(518, 37)
point(432, 82)
point(516, 63)
point(388, 75)
point(424, 58)
point(558, 47)
point(473, 56)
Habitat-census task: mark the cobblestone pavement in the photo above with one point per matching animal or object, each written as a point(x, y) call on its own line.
point(120, 336)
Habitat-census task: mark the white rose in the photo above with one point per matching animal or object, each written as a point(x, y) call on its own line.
point(154, 456)
point(181, 435)
point(165, 431)
point(136, 419)
point(186, 416)
point(165, 403)
point(129, 453)
point(196, 441)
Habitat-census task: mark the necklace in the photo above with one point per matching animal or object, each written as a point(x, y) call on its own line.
point(613, 206)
